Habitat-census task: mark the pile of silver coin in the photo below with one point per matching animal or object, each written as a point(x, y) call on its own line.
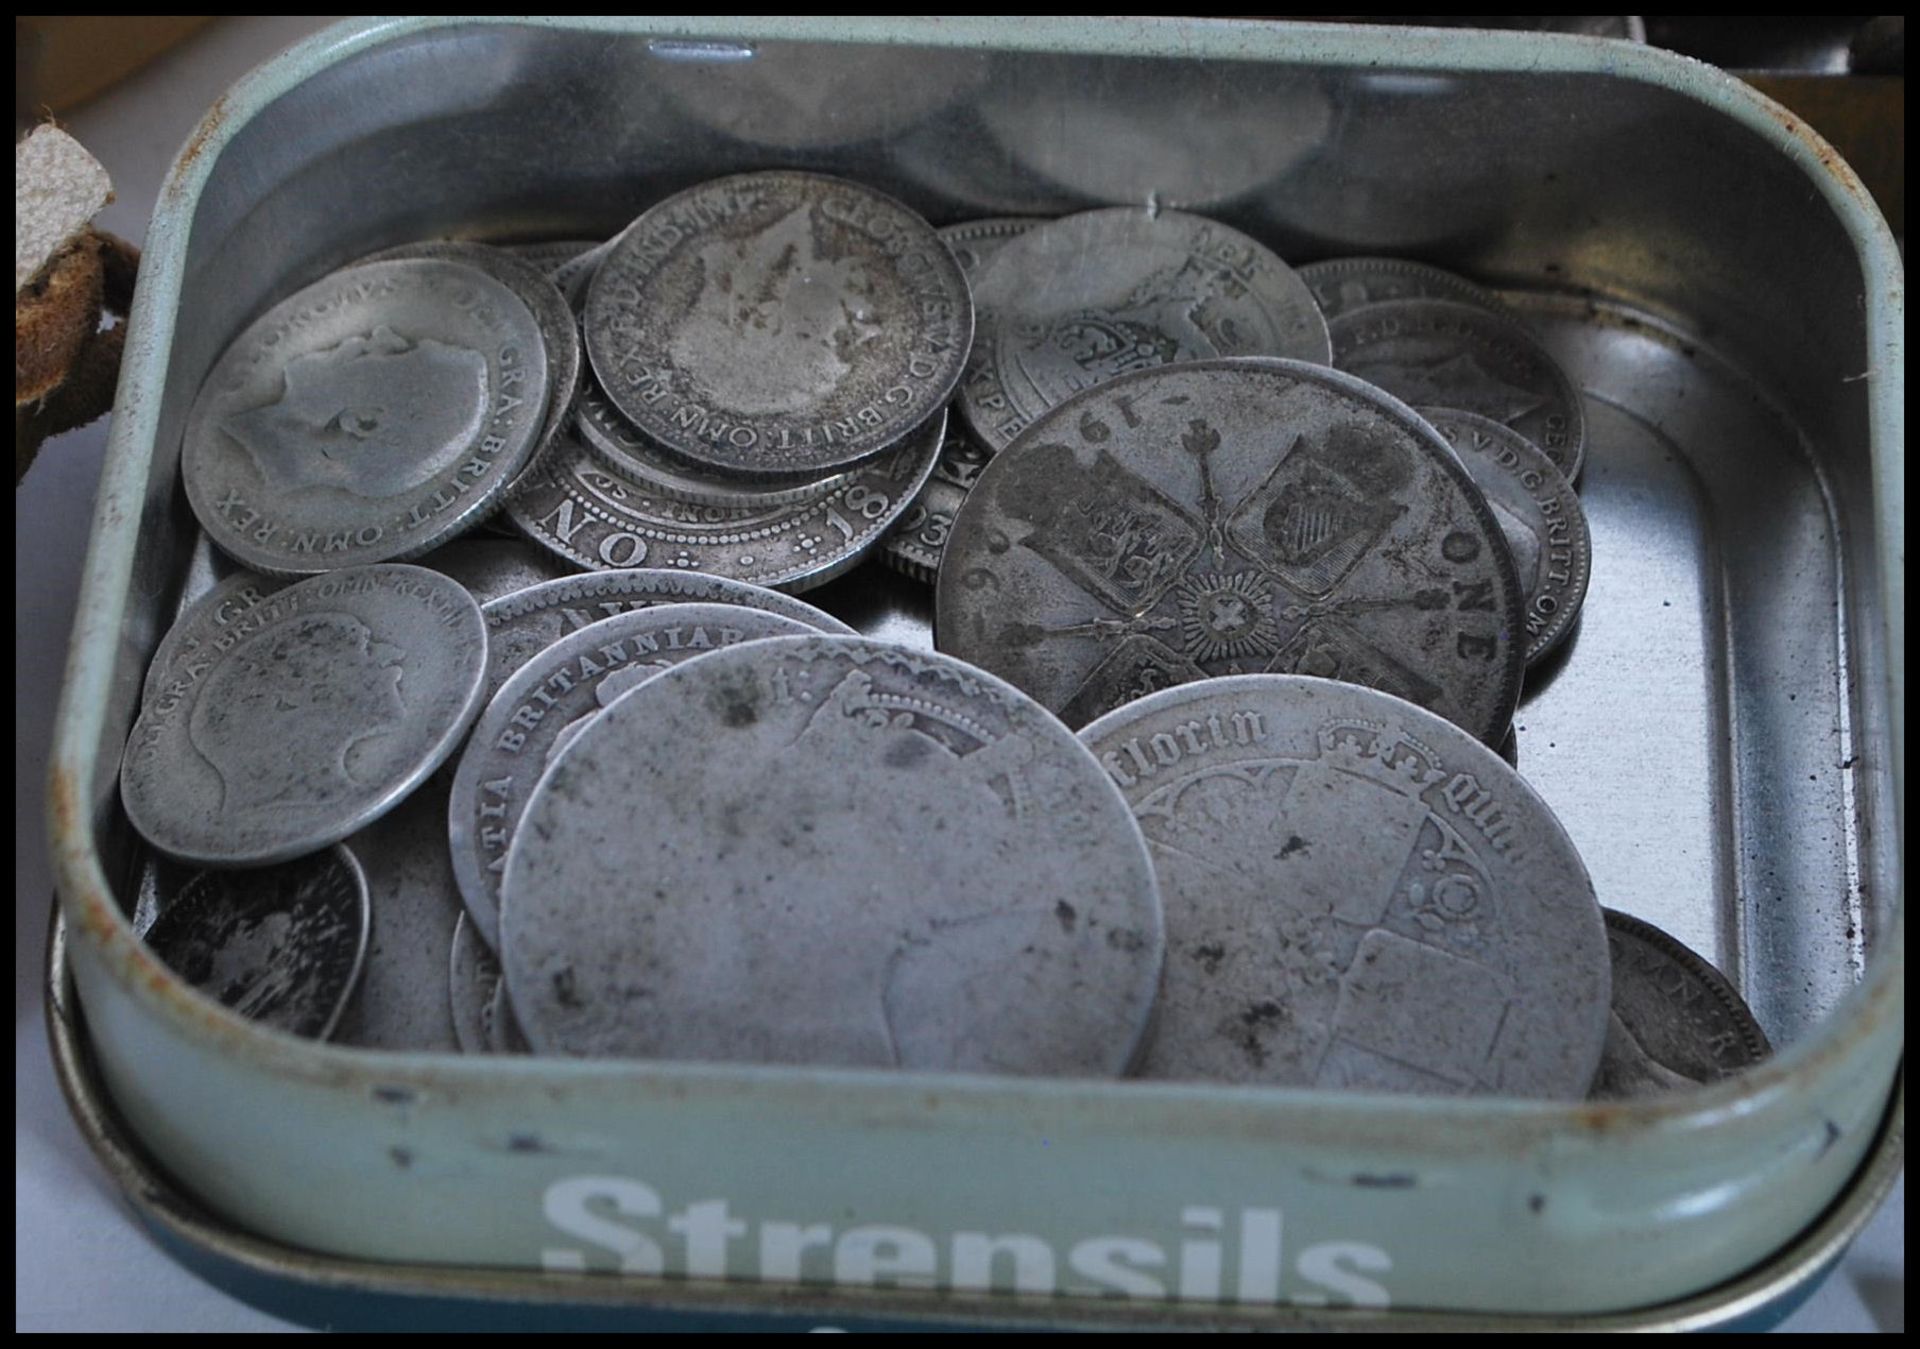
point(503, 731)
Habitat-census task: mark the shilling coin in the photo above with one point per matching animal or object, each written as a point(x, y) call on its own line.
point(974, 241)
point(1676, 1023)
point(779, 324)
point(1436, 353)
point(367, 418)
point(1343, 284)
point(1071, 304)
point(1232, 518)
point(402, 1002)
point(196, 635)
point(584, 511)
point(917, 542)
point(473, 978)
point(491, 569)
point(550, 700)
point(282, 945)
point(523, 624)
point(825, 850)
point(1539, 515)
point(1357, 894)
point(329, 703)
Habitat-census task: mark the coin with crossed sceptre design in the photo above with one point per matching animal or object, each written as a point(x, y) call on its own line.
point(550, 700)
point(377, 413)
point(1234, 517)
point(330, 703)
point(1439, 353)
point(778, 324)
point(199, 631)
point(1358, 895)
point(1676, 1022)
point(831, 851)
point(1072, 303)
point(282, 945)
point(577, 506)
point(1343, 284)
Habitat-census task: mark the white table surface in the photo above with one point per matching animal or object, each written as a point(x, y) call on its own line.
point(81, 1261)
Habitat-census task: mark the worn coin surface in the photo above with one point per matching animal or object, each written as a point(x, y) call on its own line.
point(584, 511)
point(974, 241)
point(1343, 284)
point(529, 621)
point(1676, 1022)
point(493, 568)
point(916, 544)
point(367, 418)
point(1232, 518)
point(283, 945)
point(196, 634)
point(1075, 302)
point(1437, 353)
point(473, 978)
point(1539, 515)
point(779, 324)
point(324, 706)
point(1358, 895)
point(826, 850)
point(550, 700)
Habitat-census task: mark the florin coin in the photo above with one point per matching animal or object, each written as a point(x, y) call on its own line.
point(1344, 284)
point(1435, 353)
point(530, 621)
point(779, 324)
point(282, 946)
point(1071, 304)
point(473, 978)
point(974, 241)
point(1676, 1023)
point(583, 511)
point(1358, 895)
point(550, 700)
point(1234, 517)
point(367, 418)
point(492, 569)
point(1539, 515)
point(330, 702)
point(197, 634)
point(916, 544)
point(825, 850)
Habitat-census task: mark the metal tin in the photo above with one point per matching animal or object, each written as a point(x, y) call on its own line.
point(1723, 739)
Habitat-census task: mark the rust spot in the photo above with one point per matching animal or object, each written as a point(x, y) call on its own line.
point(1392, 1180)
point(197, 143)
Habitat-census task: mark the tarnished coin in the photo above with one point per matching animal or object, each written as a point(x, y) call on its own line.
point(1073, 303)
point(491, 569)
point(917, 542)
point(614, 441)
point(1233, 517)
point(974, 241)
point(825, 850)
point(1357, 894)
point(159, 881)
point(367, 418)
point(552, 256)
point(473, 978)
point(503, 1035)
point(1344, 284)
point(523, 624)
point(328, 703)
point(283, 945)
point(584, 511)
point(196, 635)
point(779, 324)
point(1436, 353)
point(1539, 515)
point(550, 700)
point(1676, 1023)
point(403, 997)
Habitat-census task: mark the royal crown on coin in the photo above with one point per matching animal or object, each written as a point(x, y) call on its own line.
point(1371, 749)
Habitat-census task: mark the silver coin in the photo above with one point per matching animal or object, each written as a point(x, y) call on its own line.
point(1344, 284)
point(1234, 517)
point(1676, 1022)
point(779, 324)
point(825, 850)
point(522, 624)
point(1357, 895)
point(159, 881)
point(550, 700)
point(583, 511)
point(282, 946)
point(552, 256)
point(473, 978)
point(492, 569)
point(331, 701)
point(196, 636)
point(974, 241)
point(559, 329)
point(1435, 353)
point(502, 1031)
point(403, 997)
point(1076, 302)
point(367, 418)
point(917, 542)
point(575, 278)
point(1540, 518)
point(615, 442)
